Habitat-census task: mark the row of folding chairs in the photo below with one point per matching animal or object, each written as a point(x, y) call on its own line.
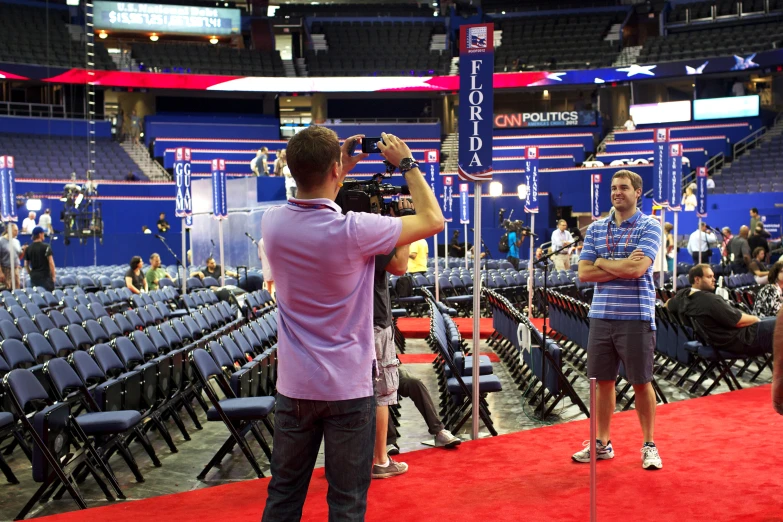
point(455, 370)
point(146, 375)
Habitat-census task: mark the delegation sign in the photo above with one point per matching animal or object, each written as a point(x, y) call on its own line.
point(477, 63)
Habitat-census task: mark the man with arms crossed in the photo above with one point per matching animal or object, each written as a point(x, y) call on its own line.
point(618, 254)
point(323, 264)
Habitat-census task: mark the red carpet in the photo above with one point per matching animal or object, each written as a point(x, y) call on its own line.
point(413, 358)
point(720, 454)
point(419, 327)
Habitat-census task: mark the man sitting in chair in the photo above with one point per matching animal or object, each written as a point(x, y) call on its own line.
point(722, 326)
point(212, 270)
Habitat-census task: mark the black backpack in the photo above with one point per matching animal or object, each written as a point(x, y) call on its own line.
point(404, 287)
point(503, 243)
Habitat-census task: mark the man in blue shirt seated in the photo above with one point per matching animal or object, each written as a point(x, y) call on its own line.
point(617, 255)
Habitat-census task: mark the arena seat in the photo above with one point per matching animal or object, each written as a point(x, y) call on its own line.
point(734, 132)
point(198, 58)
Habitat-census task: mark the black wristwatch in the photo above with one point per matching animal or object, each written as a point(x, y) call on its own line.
point(407, 164)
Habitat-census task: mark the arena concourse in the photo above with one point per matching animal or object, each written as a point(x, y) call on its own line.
point(142, 143)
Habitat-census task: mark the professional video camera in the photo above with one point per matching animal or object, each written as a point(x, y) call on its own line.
point(371, 196)
point(515, 226)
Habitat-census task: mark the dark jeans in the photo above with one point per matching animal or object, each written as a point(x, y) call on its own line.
point(413, 388)
point(514, 261)
point(762, 344)
point(705, 257)
point(348, 431)
point(42, 281)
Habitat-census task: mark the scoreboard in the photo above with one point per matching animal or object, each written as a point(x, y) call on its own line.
point(160, 18)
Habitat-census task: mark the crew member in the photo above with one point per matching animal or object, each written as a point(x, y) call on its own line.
point(417, 257)
point(134, 277)
point(28, 224)
point(324, 278)
point(39, 261)
point(562, 238)
point(155, 273)
point(700, 243)
point(617, 255)
point(45, 222)
point(163, 225)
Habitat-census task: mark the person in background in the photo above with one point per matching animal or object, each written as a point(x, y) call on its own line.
point(28, 224)
point(777, 365)
point(668, 227)
point(770, 296)
point(163, 225)
point(539, 253)
point(455, 248)
point(135, 127)
point(10, 250)
point(757, 267)
point(145, 230)
point(689, 201)
point(39, 261)
point(134, 277)
point(755, 219)
point(280, 162)
point(417, 257)
point(759, 239)
point(700, 243)
point(561, 237)
point(131, 177)
point(260, 164)
point(155, 273)
point(710, 182)
point(290, 183)
point(629, 124)
point(739, 251)
point(213, 270)
point(727, 237)
point(45, 222)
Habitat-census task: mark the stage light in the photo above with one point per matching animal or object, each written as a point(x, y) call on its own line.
point(33, 205)
point(102, 35)
point(495, 189)
point(154, 37)
point(214, 40)
point(522, 191)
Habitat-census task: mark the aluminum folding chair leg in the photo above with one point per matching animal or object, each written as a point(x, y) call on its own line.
point(6, 469)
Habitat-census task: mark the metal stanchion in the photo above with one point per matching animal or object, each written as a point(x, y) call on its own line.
point(222, 259)
point(530, 278)
point(184, 260)
point(593, 435)
point(437, 283)
point(674, 268)
point(466, 247)
point(663, 247)
point(476, 304)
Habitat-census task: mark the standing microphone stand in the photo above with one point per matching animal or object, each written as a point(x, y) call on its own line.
point(544, 261)
point(179, 263)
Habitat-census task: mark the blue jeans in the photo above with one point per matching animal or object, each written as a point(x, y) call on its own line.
point(348, 431)
point(762, 344)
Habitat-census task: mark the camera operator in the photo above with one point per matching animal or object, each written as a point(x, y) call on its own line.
point(324, 278)
point(516, 235)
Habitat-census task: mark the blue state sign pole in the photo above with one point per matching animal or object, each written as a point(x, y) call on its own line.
point(477, 58)
point(531, 207)
point(701, 198)
point(675, 195)
point(464, 216)
point(184, 202)
point(661, 183)
point(220, 208)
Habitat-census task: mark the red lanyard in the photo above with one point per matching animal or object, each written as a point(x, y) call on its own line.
point(615, 245)
point(310, 206)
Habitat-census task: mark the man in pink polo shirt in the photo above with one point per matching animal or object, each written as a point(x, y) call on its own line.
point(323, 263)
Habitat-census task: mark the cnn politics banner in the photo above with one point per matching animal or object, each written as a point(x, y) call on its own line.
point(476, 100)
point(184, 197)
point(219, 201)
point(531, 179)
point(545, 119)
point(701, 192)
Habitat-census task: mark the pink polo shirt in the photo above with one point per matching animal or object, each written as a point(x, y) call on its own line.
point(323, 264)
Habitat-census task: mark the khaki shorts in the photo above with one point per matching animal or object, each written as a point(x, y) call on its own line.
point(388, 380)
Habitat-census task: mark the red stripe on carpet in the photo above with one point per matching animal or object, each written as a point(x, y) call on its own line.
point(413, 358)
point(719, 456)
point(419, 327)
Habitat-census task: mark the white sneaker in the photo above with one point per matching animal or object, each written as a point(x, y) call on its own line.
point(445, 439)
point(650, 458)
point(601, 452)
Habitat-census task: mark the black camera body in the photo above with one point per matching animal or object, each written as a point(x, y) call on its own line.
point(370, 196)
point(515, 226)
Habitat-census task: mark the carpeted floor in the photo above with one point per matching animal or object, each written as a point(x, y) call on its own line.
point(419, 327)
point(720, 454)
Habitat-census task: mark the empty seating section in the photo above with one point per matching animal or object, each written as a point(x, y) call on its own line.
point(118, 366)
point(354, 49)
point(58, 157)
point(33, 35)
point(207, 59)
point(556, 42)
point(701, 11)
point(498, 6)
point(757, 171)
point(705, 42)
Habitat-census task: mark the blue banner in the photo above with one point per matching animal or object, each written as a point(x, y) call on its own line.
point(675, 176)
point(661, 168)
point(431, 172)
point(476, 102)
point(184, 198)
point(10, 180)
point(448, 192)
point(464, 213)
point(595, 189)
point(531, 178)
point(701, 192)
point(5, 205)
point(219, 201)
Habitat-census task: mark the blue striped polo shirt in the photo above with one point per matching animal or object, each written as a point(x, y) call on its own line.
point(623, 299)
